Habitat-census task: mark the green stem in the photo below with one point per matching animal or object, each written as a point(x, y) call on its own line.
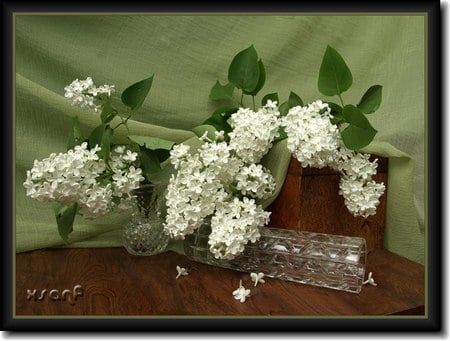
point(124, 122)
point(340, 98)
point(253, 100)
point(242, 98)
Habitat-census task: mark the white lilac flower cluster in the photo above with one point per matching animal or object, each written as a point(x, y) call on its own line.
point(253, 132)
point(312, 138)
point(83, 93)
point(224, 181)
point(80, 176)
point(316, 142)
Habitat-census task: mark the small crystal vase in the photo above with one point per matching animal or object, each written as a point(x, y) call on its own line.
point(324, 260)
point(143, 235)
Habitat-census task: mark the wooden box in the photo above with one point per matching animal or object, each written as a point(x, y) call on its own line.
point(309, 201)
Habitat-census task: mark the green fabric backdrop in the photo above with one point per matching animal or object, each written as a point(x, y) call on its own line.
point(188, 54)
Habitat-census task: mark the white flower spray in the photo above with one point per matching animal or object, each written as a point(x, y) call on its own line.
point(316, 142)
point(224, 180)
point(80, 176)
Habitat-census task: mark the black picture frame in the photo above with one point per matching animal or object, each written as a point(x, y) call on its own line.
point(434, 290)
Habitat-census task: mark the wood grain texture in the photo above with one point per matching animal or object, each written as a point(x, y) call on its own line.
point(116, 283)
point(309, 201)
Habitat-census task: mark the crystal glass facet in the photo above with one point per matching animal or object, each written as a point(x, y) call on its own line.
point(324, 260)
point(143, 235)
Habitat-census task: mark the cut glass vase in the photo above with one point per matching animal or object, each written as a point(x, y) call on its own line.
point(323, 260)
point(143, 235)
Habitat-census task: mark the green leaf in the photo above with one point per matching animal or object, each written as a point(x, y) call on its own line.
point(108, 112)
point(284, 108)
point(225, 111)
point(200, 130)
point(334, 75)
point(244, 70)
point(96, 136)
point(106, 143)
point(219, 119)
point(371, 100)
point(75, 137)
point(152, 143)
point(273, 97)
point(65, 216)
point(294, 100)
point(336, 109)
point(134, 95)
point(102, 136)
point(150, 163)
point(261, 80)
point(220, 92)
point(359, 132)
point(336, 112)
point(282, 136)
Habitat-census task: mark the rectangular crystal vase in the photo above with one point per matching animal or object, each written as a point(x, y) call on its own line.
point(323, 260)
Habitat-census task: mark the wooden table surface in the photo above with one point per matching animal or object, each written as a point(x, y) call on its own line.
point(115, 283)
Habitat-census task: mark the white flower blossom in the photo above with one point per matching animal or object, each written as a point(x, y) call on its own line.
point(209, 182)
point(84, 93)
point(233, 225)
point(357, 166)
point(74, 177)
point(241, 293)
point(257, 277)
point(181, 272)
point(255, 181)
point(311, 137)
point(254, 132)
point(316, 142)
point(361, 198)
point(370, 280)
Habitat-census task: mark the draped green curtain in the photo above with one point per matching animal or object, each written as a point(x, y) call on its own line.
point(187, 54)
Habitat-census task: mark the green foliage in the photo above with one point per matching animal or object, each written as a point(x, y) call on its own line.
point(108, 112)
point(244, 70)
point(359, 132)
point(335, 78)
point(75, 137)
point(336, 112)
point(371, 100)
point(284, 108)
point(336, 109)
point(150, 163)
point(152, 151)
point(102, 136)
point(334, 75)
point(294, 100)
point(221, 92)
point(273, 97)
point(261, 80)
point(210, 130)
point(152, 143)
point(106, 143)
point(219, 121)
point(282, 135)
point(65, 216)
point(95, 138)
point(247, 73)
point(134, 96)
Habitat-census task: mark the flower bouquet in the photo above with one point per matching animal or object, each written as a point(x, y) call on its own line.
point(213, 198)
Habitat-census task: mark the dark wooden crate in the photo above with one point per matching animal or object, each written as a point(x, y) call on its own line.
point(309, 201)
